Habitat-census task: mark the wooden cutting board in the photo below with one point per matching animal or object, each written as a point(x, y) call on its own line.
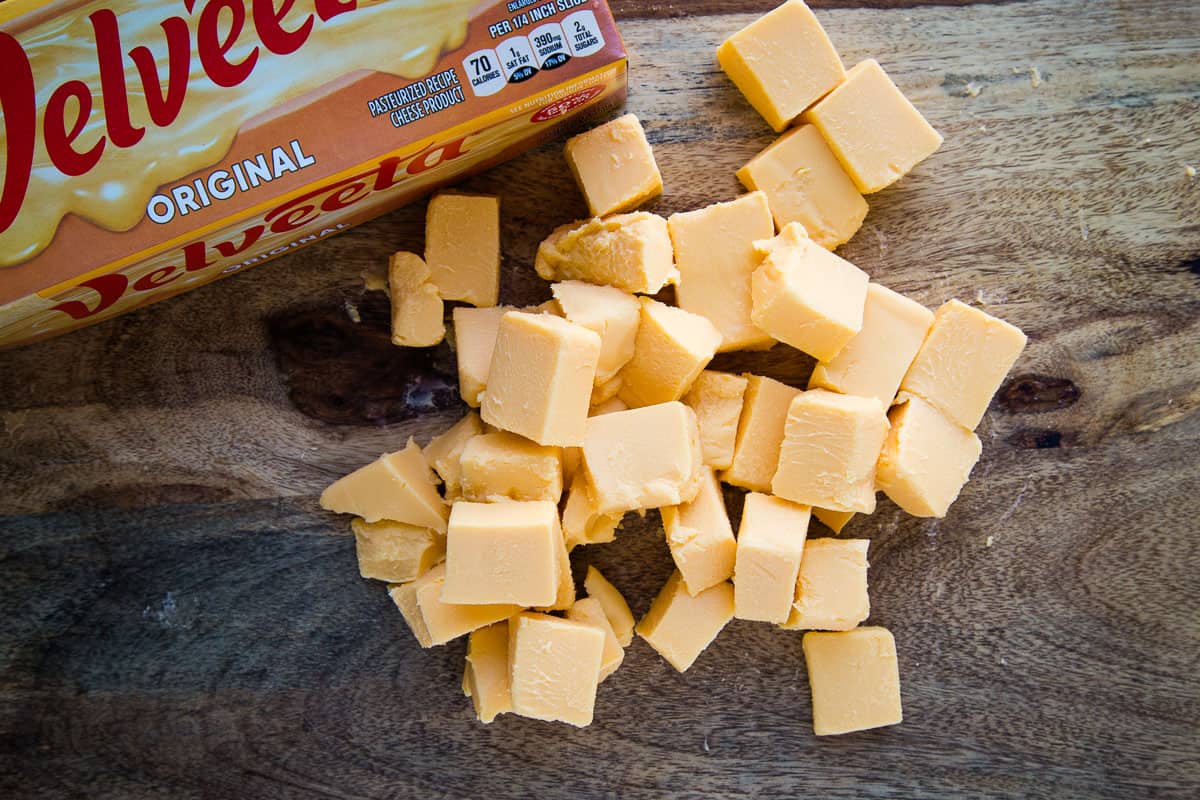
point(181, 620)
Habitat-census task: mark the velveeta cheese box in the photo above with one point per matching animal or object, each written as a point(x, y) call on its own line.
point(151, 146)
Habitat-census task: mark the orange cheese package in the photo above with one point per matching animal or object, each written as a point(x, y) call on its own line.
point(151, 147)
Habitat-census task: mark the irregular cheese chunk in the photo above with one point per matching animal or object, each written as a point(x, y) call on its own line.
point(397, 486)
point(541, 377)
point(717, 397)
point(873, 363)
point(629, 251)
point(805, 183)
point(715, 256)
point(395, 552)
point(782, 62)
point(643, 458)
point(701, 538)
point(872, 128)
point(504, 466)
point(444, 451)
point(582, 521)
point(830, 445)
point(614, 166)
point(404, 595)
point(835, 520)
point(679, 626)
point(608, 406)
point(590, 612)
point(831, 592)
point(486, 680)
point(806, 296)
point(435, 622)
point(770, 544)
point(503, 553)
point(603, 392)
point(611, 313)
point(564, 596)
point(855, 680)
point(613, 603)
point(475, 341)
point(462, 247)
point(963, 361)
point(417, 308)
point(673, 347)
point(759, 433)
point(926, 458)
point(555, 667)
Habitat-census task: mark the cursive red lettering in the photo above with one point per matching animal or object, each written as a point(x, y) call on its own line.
point(157, 278)
point(109, 287)
point(436, 156)
point(121, 130)
point(267, 21)
point(164, 105)
point(59, 140)
point(249, 237)
point(328, 9)
point(214, 50)
point(18, 109)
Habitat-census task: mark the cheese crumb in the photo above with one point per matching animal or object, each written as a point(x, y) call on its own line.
point(1189, 170)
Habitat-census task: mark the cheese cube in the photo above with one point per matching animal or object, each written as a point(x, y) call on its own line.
point(717, 397)
point(397, 486)
point(613, 603)
point(541, 377)
point(701, 538)
point(715, 256)
point(629, 251)
point(759, 433)
point(603, 392)
point(873, 363)
point(614, 166)
point(404, 595)
point(582, 522)
point(782, 62)
point(590, 612)
point(417, 308)
point(395, 552)
point(830, 445)
point(436, 622)
point(444, 451)
point(608, 406)
point(486, 680)
point(643, 458)
point(926, 459)
point(564, 596)
point(805, 183)
point(855, 680)
point(474, 342)
point(611, 313)
point(835, 520)
point(673, 347)
point(503, 553)
point(872, 128)
point(503, 466)
point(679, 626)
point(806, 296)
point(963, 361)
point(462, 247)
point(770, 544)
point(555, 667)
point(831, 591)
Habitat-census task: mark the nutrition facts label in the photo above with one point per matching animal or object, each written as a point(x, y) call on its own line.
point(519, 57)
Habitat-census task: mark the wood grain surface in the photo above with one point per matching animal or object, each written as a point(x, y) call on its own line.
point(181, 620)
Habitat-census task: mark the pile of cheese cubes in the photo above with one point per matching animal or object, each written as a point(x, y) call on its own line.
point(598, 403)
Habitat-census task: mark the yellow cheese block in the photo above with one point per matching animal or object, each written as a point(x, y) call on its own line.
point(448, 621)
point(486, 680)
point(444, 451)
point(555, 667)
point(672, 347)
point(831, 591)
point(830, 445)
point(629, 251)
point(417, 308)
point(782, 62)
point(499, 553)
point(590, 612)
point(804, 182)
point(717, 399)
point(404, 595)
point(503, 466)
point(806, 296)
point(700, 537)
point(564, 597)
point(395, 552)
point(715, 256)
point(582, 522)
point(680, 626)
point(474, 343)
point(770, 544)
point(873, 363)
point(873, 129)
point(855, 680)
point(926, 458)
point(614, 166)
point(614, 316)
point(398, 486)
point(613, 603)
point(963, 361)
point(835, 520)
point(462, 247)
point(759, 433)
point(540, 379)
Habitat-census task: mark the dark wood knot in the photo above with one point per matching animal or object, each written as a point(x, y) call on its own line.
point(1023, 394)
point(1040, 439)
